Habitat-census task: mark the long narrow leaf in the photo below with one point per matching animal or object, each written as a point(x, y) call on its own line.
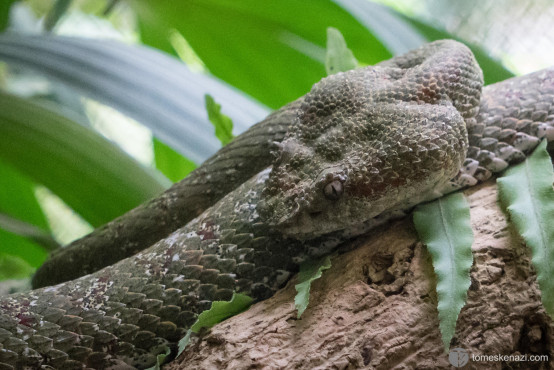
point(526, 191)
point(28, 231)
point(309, 271)
point(153, 88)
point(89, 173)
point(443, 225)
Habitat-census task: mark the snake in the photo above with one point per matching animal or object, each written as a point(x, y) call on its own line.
point(362, 147)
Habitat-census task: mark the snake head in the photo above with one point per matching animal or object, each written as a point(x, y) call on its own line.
point(364, 142)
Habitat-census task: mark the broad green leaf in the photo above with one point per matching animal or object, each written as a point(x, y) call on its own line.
point(444, 226)
point(5, 6)
point(155, 89)
point(89, 173)
point(401, 33)
point(19, 256)
point(274, 50)
point(172, 164)
point(12, 267)
point(13, 245)
point(17, 199)
point(309, 271)
point(65, 224)
point(219, 311)
point(338, 58)
point(222, 123)
point(526, 191)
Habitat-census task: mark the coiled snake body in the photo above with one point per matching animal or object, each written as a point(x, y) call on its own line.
point(361, 147)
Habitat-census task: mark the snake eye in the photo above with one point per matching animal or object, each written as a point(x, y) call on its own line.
point(333, 190)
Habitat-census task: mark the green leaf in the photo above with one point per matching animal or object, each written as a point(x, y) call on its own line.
point(172, 164)
point(186, 52)
point(278, 45)
point(444, 226)
point(90, 174)
point(5, 6)
point(16, 246)
point(160, 359)
point(526, 191)
point(12, 267)
point(338, 58)
point(17, 199)
point(28, 231)
point(222, 123)
point(151, 87)
point(219, 311)
point(309, 271)
point(184, 342)
point(56, 12)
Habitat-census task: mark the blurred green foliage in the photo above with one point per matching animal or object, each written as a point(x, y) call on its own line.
point(274, 51)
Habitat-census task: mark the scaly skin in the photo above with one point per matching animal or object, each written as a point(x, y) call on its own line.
point(245, 156)
point(126, 313)
point(382, 136)
point(232, 165)
point(141, 227)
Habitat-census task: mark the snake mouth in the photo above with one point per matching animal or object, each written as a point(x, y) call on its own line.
point(307, 224)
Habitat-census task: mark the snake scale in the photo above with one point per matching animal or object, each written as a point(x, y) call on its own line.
point(361, 147)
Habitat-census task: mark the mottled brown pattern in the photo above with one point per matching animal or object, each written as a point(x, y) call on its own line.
point(376, 308)
point(127, 313)
point(387, 133)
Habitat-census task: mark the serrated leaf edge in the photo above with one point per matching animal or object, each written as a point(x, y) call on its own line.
point(450, 299)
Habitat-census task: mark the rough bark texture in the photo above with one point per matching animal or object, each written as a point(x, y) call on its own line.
point(376, 308)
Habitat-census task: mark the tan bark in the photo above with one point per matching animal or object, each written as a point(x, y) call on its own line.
point(376, 308)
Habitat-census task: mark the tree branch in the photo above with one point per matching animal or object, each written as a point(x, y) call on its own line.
point(376, 308)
